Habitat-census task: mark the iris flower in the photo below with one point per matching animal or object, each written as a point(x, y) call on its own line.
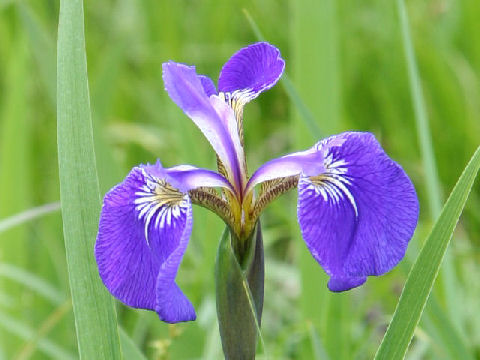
point(357, 209)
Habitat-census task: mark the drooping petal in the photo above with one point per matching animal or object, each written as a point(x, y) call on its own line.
point(145, 225)
point(171, 304)
point(358, 216)
point(186, 89)
point(250, 71)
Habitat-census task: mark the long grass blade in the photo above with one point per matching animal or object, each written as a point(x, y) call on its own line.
point(435, 196)
point(95, 318)
point(305, 113)
point(421, 118)
point(26, 333)
point(43, 49)
point(53, 319)
point(318, 349)
point(15, 148)
point(32, 282)
point(28, 215)
point(422, 276)
point(316, 72)
point(130, 350)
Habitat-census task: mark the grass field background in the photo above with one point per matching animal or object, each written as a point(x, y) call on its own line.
point(347, 63)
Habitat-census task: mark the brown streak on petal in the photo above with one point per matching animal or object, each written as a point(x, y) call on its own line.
point(270, 191)
point(209, 199)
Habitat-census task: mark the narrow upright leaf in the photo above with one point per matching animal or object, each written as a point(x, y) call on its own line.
point(304, 112)
point(130, 350)
point(15, 149)
point(27, 215)
point(316, 71)
point(435, 196)
point(424, 271)
point(95, 319)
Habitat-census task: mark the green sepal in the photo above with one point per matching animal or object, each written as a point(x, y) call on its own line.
point(239, 291)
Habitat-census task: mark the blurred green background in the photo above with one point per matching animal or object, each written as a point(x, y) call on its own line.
point(346, 61)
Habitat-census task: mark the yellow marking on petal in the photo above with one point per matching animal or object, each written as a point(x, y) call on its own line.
point(158, 201)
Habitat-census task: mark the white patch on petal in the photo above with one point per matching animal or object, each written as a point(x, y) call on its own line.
point(241, 97)
point(159, 204)
point(334, 183)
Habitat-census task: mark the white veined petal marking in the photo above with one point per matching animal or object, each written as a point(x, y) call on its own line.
point(159, 203)
point(237, 100)
point(333, 184)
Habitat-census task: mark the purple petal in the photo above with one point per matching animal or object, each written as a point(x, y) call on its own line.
point(208, 85)
point(172, 305)
point(185, 88)
point(359, 215)
point(251, 70)
point(145, 225)
point(310, 160)
point(187, 177)
point(337, 284)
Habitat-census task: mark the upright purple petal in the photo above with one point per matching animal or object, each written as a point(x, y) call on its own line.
point(145, 225)
point(186, 89)
point(208, 85)
point(250, 71)
point(358, 216)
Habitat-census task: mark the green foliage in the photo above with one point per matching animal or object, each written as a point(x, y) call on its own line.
point(95, 318)
point(424, 271)
point(239, 295)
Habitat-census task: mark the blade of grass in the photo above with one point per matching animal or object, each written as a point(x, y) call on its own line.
point(317, 347)
point(95, 318)
point(29, 348)
point(422, 276)
point(439, 326)
point(15, 146)
point(421, 118)
point(130, 350)
point(26, 333)
point(435, 196)
point(28, 215)
point(316, 71)
point(451, 340)
point(305, 113)
point(43, 48)
point(32, 282)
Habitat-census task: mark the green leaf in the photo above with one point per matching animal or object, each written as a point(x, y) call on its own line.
point(130, 350)
point(95, 318)
point(424, 271)
point(28, 215)
point(239, 292)
point(434, 193)
point(318, 350)
point(26, 333)
point(43, 48)
point(32, 282)
point(316, 72)
point(305, 113)
point(15, 165)
point(421, 118)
